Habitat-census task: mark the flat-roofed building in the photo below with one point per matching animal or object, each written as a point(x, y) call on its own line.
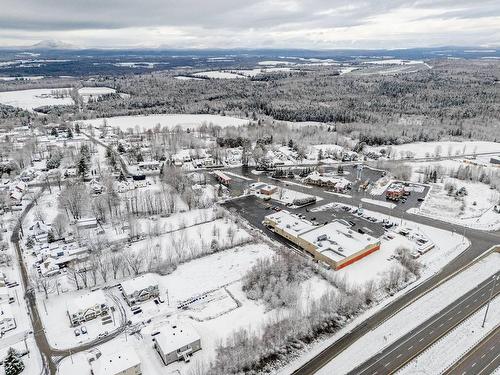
point(122, 362)
point(334, 243)
point(175, 342)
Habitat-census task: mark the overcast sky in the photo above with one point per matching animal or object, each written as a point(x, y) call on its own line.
point(316, 24)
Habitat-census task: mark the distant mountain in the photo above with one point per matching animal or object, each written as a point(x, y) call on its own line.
point(53, 44)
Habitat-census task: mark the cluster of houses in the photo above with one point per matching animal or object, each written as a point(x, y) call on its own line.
point(172, 341)
point(51, 257)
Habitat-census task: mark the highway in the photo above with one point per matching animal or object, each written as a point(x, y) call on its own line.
point(395, 356)
point(484, 358)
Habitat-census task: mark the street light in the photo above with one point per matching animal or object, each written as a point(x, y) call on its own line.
point(495, 278)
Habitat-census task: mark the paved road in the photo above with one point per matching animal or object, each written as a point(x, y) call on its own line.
point(413, 343)
point(480, 242)
point(484, 358)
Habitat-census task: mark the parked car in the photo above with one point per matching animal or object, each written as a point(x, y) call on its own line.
point(77, 332)
point(84, 330)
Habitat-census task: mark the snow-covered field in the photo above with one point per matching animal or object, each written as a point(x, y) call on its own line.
point(452, 346)
point(30, 99)
point(220, 74)
point(445, 148)
point(412, 316)
point(475, 210)
point(169, 121)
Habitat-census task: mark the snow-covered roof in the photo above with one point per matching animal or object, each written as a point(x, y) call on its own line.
point(85, 301)
point(290, 223)
point(139, 283)
point(116, 363)
point(175, 336)
point(337, 241)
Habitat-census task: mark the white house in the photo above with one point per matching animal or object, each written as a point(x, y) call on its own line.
point(87, 307)
point(175, 342)
point(123, 362)
point(140, 289)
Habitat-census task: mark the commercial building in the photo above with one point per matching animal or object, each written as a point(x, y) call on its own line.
point(222, 177)
point(338, 184)
point(175, 342)
point(87, 307)
point(334, 244)
point(140, 289)
point(395, 191)
point(123, 362)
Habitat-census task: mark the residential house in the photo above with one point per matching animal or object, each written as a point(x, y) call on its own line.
point(87, 307)
point(140, 289)
point(175, 342)
point(123, 362)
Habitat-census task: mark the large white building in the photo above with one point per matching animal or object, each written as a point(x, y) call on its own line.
point(334, 243)
point(175, 342)
point(123, 362)
point(87, 307)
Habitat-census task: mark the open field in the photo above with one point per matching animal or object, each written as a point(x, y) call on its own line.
point(169, 121)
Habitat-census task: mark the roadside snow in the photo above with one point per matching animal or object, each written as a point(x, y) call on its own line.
point(219, 74)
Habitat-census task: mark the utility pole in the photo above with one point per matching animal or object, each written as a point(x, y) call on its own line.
point(495, 278)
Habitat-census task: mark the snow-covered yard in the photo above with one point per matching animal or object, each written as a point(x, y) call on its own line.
point(54, 314)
